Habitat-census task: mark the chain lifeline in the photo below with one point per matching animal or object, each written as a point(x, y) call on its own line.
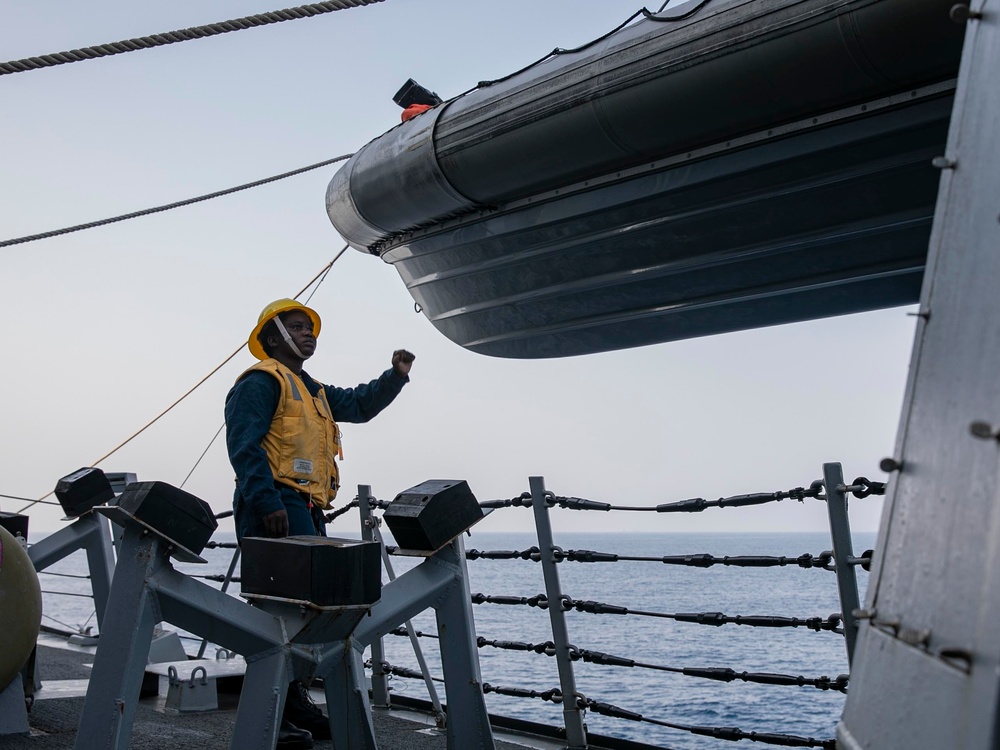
point(691, 505)
point(388, 668)
point(721, 674)
point(823, 561)
point(608, 709)
point(373, 503)
point(716, 619)
point(332, 515)
point(222, 545)
point(861, 487)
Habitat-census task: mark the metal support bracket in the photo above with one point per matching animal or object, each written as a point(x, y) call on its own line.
point(843, 551)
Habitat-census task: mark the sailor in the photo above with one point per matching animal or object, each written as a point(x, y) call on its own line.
point(284, 441)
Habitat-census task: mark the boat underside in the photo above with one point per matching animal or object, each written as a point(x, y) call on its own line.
point(739, 164)
point(809, 221)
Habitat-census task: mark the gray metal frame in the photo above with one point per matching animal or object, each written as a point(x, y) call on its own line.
point(576, 732)
point(441, 582)
point(89, 532)
point(927, 672)
point(281, 640)
point(843, 552)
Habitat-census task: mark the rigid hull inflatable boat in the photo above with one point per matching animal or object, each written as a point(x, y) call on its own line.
point(718, 167)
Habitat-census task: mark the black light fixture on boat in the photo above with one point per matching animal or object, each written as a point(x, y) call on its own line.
point(413, 93)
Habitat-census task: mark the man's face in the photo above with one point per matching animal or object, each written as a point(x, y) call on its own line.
point(300, 328)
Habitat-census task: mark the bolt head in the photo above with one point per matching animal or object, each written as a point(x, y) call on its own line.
point(983, 430)
point(889, 465)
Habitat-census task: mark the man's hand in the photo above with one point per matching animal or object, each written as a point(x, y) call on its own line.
point(276, 524)
point(402, 360)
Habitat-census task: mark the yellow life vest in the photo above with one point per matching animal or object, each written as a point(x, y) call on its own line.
point(304, 441)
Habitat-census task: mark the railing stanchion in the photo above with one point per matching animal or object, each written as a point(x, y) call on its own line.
point(380, 681)
point(843, 550)
point(225, 588)
point(576, 734)
point(439, 715)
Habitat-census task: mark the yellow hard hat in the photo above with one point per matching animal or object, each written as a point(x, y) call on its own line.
point(275, 308)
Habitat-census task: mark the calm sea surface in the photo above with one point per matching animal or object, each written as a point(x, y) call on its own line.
point(647, 586)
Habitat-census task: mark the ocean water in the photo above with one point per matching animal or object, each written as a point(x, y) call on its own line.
point(649, 586)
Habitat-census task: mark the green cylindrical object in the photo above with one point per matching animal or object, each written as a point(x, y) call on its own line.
point(20, 607)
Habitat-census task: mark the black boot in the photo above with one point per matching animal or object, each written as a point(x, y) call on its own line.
point(290, 737)
point(302, 712)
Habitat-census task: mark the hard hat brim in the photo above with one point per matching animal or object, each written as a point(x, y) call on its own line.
point(276, 308)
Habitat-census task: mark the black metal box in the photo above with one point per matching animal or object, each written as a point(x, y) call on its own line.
point(174, 513)
point(15, 524)
point(326, 571)
point(82, 490)
point(430, 515)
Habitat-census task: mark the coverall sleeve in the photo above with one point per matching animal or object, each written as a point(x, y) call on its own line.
point(368, 399)
point(250, 407)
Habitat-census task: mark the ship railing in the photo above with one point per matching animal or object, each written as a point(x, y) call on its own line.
point(831, 489)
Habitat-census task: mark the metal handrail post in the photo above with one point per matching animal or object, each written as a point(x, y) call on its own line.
point(101, 564)
point(576, 733)
point(225, 587)
point(440, 718)
point(380, 680)
point(843, 552)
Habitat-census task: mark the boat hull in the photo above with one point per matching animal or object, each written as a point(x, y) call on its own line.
point(765, 164)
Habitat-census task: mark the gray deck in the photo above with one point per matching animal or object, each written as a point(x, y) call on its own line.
point(56, 713)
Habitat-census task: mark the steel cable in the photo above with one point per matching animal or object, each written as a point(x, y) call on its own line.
point(716, 619)
point(203, 453)
point(823, 561)
point(607, 709)
point(402, 631)
point(691, 505)
point(180, 35)
point(170, 206)
point(392, 669)
point(191, 390)
point(333, 515)
point(217, 577)
point(68, 593)
point(718, 674)
point(29, 500)
point(60, 622)
point(219, 431)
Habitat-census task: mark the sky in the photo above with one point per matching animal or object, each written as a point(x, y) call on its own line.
point(104, 329)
